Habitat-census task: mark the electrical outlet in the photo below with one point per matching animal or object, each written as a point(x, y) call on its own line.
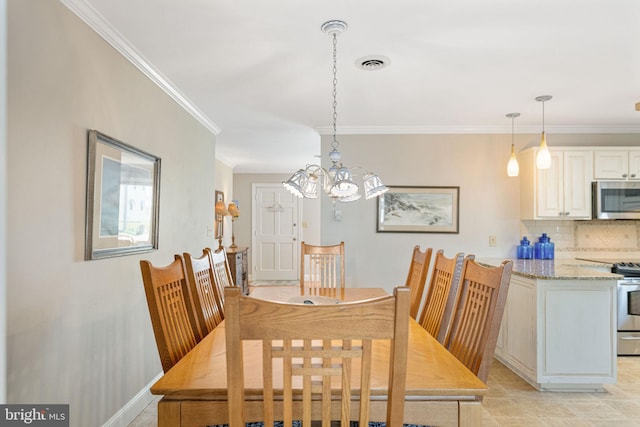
point(492, 240)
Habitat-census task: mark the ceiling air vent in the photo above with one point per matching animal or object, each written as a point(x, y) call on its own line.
point(372, 63)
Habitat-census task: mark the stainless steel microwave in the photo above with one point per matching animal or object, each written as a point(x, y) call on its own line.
point(616, 200)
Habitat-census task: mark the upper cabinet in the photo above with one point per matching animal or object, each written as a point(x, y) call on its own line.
point(616, 163)
point(561, 192)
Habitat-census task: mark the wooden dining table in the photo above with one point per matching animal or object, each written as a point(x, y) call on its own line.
point(440, 391)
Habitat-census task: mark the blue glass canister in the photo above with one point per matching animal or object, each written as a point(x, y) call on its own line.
point(544, 248)
point(538, 247)
point(524, 250)
point(548, 251)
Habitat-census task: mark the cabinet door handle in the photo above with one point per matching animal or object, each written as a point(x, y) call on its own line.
point(624, 175)
point(633, 175)
point(567, 213)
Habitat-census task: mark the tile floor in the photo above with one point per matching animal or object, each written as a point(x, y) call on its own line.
point(512, 402)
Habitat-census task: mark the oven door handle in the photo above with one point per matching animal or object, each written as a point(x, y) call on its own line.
point(630, 338)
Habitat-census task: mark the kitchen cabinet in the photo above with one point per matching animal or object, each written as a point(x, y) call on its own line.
point(517, 338)
point(560, 334)
point(616, 163)
point(561, 192)
point(239, 266)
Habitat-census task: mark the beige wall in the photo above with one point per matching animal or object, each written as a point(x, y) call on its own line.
point(489, 199)
point(79, 331)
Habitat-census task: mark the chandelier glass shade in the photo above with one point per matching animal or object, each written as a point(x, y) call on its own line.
point(339, 181)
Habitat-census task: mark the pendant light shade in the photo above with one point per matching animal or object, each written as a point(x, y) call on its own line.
point(513, 169)
point(339, 181)
point(543, 158)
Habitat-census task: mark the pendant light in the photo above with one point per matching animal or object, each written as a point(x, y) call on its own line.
point(543, 159)
point(513, 169)
point(339, 182)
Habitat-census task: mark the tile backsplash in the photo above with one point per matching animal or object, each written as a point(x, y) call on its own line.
point(613, 238)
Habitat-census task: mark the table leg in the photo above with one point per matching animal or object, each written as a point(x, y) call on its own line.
point(168, 413)
point(470, 414)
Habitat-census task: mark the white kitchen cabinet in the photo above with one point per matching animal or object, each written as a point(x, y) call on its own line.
point(616, 163)
point(561, 192)
point(560, 334)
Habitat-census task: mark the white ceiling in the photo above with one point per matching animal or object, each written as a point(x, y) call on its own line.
point(259, 72)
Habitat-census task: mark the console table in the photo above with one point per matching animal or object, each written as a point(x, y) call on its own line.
point(239, 266)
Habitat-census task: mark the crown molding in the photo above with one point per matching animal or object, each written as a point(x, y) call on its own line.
point(443, 130)
point(89, 15)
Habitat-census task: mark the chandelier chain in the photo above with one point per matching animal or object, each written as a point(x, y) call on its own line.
point(334, 143)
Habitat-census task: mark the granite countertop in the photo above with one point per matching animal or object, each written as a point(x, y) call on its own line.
point(558, 269)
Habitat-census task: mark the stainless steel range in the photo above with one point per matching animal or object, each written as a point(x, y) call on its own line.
point(628, 308)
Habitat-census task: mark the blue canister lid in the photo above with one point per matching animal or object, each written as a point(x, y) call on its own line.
point(524, 241)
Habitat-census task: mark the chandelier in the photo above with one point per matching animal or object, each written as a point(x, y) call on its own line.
point(339, 181)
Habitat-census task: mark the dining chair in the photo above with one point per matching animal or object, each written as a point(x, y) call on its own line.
point(443, 285)
point(207, 297)
point(170, 308)
point(480, 303)
point(221, 273)
point(322, 266)
point(417, 277)
point(316, 357)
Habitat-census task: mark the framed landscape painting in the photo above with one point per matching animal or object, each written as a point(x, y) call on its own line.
point(419, 210)
point(122, 202)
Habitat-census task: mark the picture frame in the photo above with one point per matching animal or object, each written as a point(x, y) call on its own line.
point(406, 209)
point(122, 198)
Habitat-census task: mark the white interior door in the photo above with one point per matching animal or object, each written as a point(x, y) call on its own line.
point(276, 237)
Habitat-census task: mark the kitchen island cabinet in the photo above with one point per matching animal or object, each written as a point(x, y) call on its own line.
point(558, 330)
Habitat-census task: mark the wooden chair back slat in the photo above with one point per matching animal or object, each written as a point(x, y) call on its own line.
point(438, 308)
point(479, 308)
point(417, 277)
point(315, 354)
point(206, 295)
point(321, 266)
point(221, 274)
point(175, 328)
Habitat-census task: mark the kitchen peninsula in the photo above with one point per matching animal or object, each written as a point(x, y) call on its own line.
point(558, 330)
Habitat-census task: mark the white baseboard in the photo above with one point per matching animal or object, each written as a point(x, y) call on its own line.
point(128, 412)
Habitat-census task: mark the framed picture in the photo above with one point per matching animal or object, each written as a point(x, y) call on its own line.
point(419, 210)
point(123, 192)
